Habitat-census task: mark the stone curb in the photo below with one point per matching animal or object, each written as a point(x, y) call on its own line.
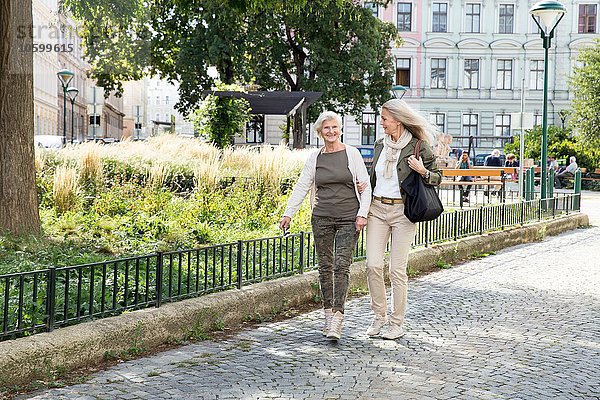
point(40, 356)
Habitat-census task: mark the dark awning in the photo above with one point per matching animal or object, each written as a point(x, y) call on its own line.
point(274, 103)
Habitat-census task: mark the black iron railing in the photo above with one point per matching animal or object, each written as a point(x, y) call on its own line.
point(43, 300)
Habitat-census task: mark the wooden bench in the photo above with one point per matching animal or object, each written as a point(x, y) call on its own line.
point(492, 177)
point(488, 173)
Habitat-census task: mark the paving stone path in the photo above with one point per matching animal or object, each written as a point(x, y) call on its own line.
point(520, 324)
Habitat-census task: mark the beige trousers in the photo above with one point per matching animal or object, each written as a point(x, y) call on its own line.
point(385, 220)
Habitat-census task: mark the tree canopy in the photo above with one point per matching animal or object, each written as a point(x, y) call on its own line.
point(562, 143)
point(585, 83)
point(333, 46)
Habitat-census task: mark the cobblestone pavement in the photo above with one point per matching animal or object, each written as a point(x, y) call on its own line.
point(521, 324)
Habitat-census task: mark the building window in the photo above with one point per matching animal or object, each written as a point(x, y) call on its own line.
point(507, 16)
point(374, 7)
point(368, 128)
point(471, 74)
point(438, 73)
point(404, 17)
point(473, 18)
point(537, 119)
point(502, 125)
point(158, 100)
point(255, 129)
point(469, 128)
point(536, 75)
point(439, 120)
point(504, 75)
point(403, 72)
point(440, 17)
point(167, 100)
point(587, 18)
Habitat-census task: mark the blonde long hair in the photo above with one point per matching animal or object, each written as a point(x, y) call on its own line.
point(410, 119)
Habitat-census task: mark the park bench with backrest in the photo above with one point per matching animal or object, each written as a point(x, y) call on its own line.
point(489, 177)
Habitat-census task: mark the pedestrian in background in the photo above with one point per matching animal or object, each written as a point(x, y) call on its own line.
point(339, 213)
point(393, 160)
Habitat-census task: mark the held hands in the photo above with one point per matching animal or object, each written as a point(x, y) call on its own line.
point(360, 223)
point(361, 186)
point(417, 165)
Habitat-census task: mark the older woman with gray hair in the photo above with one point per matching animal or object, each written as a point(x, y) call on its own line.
point(339, 213)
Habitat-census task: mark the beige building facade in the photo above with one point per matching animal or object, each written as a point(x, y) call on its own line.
point(58, 46)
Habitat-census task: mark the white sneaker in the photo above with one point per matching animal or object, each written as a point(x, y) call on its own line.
point(335, 332)
point(394, 331)
point(378, 323)
point(328, 316)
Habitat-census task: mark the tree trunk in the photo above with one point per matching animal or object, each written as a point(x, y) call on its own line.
point(18, 198)
point(298, 129)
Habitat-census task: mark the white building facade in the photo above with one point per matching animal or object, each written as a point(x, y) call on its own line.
point(57, 45)
point(45, 66)
point(161, 97)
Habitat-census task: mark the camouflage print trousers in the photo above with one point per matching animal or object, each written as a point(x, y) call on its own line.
point(335, 240)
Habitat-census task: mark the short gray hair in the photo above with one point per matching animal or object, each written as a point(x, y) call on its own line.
point(327, 116)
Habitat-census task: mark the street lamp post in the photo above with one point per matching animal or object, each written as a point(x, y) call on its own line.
point(549, 13)
point(398, 91)
point(72, 92)
point(65, 76)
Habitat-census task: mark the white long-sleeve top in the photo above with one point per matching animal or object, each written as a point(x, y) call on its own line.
point(306, 182)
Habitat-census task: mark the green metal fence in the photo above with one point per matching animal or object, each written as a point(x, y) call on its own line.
point(43, 300)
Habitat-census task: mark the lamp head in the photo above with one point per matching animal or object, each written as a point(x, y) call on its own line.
point(550, 12)
point(65, 76)
point(398, 91)
point(72, 92)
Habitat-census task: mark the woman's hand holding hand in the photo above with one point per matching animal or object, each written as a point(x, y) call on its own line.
point(417, 165)
point(284, 224)
point(360, 223)
point(361, 186)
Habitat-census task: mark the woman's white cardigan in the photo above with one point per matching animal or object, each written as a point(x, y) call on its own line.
point(306, 182)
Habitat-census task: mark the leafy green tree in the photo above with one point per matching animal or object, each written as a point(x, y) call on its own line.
point(340, 50)
point(585, 83)
point(117, 39)
point(562, 143)
point(333, 46)
point(220, 119)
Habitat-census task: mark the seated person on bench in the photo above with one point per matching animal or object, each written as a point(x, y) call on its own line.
point(465, 163)
point(493, 160)
point(568, 172)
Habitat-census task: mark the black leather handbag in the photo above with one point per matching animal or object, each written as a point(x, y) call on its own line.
point(421, 201)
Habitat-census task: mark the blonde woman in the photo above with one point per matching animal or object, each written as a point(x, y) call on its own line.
point(393, 161)
point(339, 213)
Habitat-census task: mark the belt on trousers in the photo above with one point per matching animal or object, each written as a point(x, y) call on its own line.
point(387, 200)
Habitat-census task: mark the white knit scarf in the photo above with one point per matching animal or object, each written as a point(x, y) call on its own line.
point(391, 150)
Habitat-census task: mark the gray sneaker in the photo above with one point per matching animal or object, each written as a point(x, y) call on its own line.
point(378, 323)
point(394, 331)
